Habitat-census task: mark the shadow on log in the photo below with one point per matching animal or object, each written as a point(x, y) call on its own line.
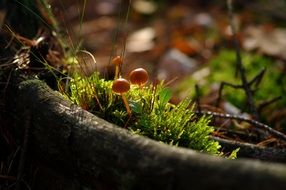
point(93, 151)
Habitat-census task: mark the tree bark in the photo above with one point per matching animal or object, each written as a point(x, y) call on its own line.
point(85, 147)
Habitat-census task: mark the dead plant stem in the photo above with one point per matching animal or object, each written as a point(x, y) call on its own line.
point(270, 130)
point(239, 66)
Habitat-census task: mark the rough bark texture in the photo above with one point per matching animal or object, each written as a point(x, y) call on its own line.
point(94, 151)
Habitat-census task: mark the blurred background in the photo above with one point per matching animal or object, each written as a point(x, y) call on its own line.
point(186, 43)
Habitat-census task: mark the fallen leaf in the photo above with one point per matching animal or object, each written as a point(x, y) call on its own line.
point(175, 64)
point(141, 40)
point(189, 47)
point(270, 42)
point(144, 7)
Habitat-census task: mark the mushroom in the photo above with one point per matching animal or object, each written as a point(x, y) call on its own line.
point(138, 76)
point(117, 61)
point(121, 86)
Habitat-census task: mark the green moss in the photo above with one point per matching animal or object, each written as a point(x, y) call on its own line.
point(152, 114)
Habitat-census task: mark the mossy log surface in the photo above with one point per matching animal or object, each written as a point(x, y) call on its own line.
point(81, 145)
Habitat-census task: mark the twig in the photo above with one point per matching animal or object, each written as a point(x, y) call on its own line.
point(125, 33)
point(246, 85)
point(257, 79)
point(197, 99)
point(222, 84)
point(239, 65)
point(267, 103)
point(251, 121)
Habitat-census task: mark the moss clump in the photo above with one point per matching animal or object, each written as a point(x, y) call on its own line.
point(152, 114)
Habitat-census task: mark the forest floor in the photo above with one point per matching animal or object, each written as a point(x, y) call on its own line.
point(189, 45)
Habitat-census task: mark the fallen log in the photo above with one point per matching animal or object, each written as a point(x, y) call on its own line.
point(78, 144)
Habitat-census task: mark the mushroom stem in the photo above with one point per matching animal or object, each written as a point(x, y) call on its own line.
point(126, 104)
point(117, 61)
point(116, 72)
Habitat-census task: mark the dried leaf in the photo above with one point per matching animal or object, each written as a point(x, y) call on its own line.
point(268, 41)
point(141, 40)
point(144, 7)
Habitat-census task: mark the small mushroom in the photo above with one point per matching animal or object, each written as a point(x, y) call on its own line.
point(117, 61)
point(121, 86)
point(139, 76)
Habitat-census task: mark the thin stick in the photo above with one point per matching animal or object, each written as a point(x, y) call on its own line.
point(257, 79)
point(251, 121)
point(267, 103)
point(116, 33)
point(222, 84)
point(125, 34)
point(239, 64)
point(197, 99)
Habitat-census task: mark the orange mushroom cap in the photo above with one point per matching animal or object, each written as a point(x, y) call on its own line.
point(117, 60)
point(120, 86)
point(138, 76)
